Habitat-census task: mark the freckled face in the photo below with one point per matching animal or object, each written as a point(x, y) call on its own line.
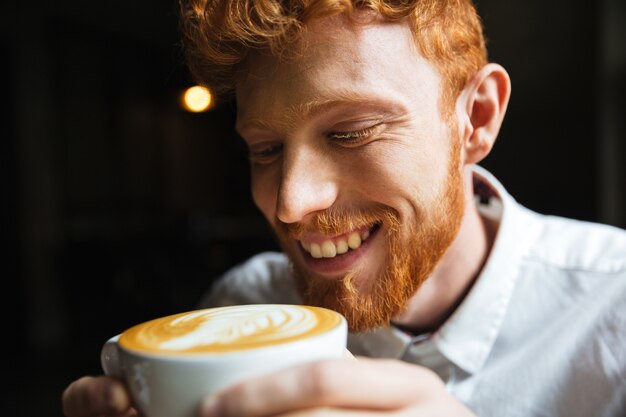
point(353, 165)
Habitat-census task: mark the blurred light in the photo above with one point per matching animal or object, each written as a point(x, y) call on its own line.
point(197, 99)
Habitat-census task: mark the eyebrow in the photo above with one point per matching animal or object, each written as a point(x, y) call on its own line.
point(316, 107)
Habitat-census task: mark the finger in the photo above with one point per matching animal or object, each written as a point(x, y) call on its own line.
point(348, 355)
point(131, 412)
point(362, 384)
point(335, 412)
point(438, 410)
point(93, 396)
point(435, 409)
point(440, 404)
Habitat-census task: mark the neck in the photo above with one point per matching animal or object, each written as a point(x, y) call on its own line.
point(454, 275)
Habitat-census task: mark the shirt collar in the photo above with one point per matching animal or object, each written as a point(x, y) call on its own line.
point(467, 337)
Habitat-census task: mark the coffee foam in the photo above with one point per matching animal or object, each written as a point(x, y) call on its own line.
point(226, 329)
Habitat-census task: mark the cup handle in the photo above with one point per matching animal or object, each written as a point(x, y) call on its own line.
point(109, 358)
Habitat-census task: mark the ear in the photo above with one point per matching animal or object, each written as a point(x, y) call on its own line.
point(480, 109)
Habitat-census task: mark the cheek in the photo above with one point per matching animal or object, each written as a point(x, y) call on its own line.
point(403, 178)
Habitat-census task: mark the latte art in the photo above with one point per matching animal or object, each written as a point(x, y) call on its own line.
point(226, 329)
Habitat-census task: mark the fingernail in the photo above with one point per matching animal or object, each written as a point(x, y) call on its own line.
point(210, 407)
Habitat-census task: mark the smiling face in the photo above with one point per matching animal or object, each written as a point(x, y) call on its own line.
point(353, 165)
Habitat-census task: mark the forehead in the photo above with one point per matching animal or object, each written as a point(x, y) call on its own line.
point(336, 58)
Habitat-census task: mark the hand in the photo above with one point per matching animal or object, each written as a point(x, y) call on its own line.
point(97, 396)
point(340, 388)
point(103, 396)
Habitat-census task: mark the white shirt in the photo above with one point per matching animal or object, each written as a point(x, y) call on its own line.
point(541, 333)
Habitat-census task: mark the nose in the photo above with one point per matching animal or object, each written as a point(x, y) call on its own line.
point(308, 185)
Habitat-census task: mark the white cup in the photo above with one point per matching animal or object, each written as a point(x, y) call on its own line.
point(171, 364)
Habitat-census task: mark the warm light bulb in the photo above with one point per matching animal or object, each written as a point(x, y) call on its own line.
point(197, 99)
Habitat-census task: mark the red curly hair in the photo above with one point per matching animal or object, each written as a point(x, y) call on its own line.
point(217, 34)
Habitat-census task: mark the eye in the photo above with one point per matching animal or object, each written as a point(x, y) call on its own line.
point(354, 137)
point(264, 154)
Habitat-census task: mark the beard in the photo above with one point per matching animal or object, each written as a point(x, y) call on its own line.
point(413, 250)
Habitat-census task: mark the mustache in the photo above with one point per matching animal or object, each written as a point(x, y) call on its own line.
point(336, 221)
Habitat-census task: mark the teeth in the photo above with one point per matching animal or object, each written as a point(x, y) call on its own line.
point(316, 250)
point(354, 240)
point(342, 247)
point(330, 249)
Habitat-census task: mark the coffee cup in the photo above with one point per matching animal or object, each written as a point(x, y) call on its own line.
point(172, 363)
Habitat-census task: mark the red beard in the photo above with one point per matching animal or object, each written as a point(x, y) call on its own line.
point(368, 304)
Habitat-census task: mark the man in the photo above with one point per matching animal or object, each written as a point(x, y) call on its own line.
point(364, 122)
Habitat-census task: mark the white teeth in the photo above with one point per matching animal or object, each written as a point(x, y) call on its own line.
point(354, 240)
point(342, 247)
point(328, 249)
point(316, 250)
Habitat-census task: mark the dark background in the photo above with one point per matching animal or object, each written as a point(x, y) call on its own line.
point(118, 206)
